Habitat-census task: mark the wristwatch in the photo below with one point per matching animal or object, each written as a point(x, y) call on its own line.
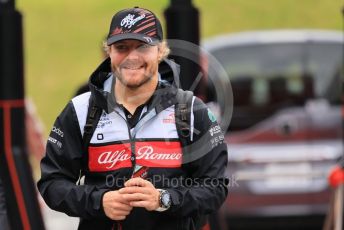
point(164, 200)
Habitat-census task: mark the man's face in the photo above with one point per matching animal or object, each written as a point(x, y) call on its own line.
point(133, 62)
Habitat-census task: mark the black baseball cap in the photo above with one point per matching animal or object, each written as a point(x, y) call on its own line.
point(135, 23)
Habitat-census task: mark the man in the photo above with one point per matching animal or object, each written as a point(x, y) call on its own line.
point(138, 175)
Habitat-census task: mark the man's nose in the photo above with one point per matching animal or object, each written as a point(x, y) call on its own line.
point(133, 53)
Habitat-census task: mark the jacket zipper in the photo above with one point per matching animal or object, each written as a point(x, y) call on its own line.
point(132, 159)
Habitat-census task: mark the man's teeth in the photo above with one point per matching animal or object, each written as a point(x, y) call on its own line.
point(133, 67)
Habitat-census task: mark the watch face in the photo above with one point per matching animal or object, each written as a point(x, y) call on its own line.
point(166, 199)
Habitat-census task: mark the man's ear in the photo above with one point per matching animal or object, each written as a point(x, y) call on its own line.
point(108, 50)
point(160, 52)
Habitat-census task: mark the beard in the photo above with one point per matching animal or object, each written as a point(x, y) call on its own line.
point(125, 80)
point(135, 85)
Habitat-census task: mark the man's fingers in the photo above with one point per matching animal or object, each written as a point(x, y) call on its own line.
point(137, 181)
point(135, 197)
point(115, 217)
point(129, 190)
point(116, 214)
point(116, 206)
point(111, 198)
point(121, 206)
point(121, 217)
point(142, 204)
point(120, 212)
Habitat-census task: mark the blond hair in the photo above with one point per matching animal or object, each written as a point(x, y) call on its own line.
point(162, 46)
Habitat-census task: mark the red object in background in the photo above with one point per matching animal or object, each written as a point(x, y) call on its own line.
point(34, 131)
point(336, 176)
point(206, 227)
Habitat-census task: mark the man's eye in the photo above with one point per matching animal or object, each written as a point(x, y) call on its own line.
point(144, 47)
point(121, 47)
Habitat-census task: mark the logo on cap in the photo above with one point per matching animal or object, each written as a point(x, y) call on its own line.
point(129, 20)
point(148, 39)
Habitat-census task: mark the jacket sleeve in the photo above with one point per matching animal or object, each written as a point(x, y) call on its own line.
point(205, 161)
point(60, 170)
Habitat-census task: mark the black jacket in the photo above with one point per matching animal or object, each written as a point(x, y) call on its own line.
point(197, 186)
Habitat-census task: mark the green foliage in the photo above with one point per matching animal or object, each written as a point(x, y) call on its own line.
point(63, 38)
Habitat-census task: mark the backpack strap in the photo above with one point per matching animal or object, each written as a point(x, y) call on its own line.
point(185, 125)
point(183, 116)
point(93, 115)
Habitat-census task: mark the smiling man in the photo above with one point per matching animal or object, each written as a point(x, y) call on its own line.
point(144, 147)
point(134, 63)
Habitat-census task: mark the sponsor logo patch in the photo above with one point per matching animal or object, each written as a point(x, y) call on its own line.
point(57, 131)
point(215, 130)
point(54, 141)
point(148, 154)
point(148, 39)
point(170, 119)
point(111, 157)
point(100, 136)
point(211, 116)
point(159, 154)
point(103, 121)
point(129, 20)
point(217, 140)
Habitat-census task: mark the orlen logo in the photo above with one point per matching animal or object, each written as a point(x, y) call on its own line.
point(149, 154)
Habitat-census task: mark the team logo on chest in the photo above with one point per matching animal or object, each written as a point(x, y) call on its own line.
point(147, 153)
point(110, 157)
point(169, 119)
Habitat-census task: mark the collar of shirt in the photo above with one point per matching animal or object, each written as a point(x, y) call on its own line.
point(140, 111)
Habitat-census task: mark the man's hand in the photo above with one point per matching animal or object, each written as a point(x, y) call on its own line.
point(116, 207)
point(140, 193)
